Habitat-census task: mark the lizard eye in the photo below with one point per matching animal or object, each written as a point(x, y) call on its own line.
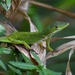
point(56, 26)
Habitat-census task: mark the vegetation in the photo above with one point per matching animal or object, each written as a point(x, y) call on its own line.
point(33, 16)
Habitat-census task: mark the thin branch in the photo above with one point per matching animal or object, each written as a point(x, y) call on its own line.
point(68, 13)
point(61, 49)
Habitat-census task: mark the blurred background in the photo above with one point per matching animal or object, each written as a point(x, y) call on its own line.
point(41, 17)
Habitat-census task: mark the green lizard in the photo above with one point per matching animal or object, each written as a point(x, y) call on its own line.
point(26, 38)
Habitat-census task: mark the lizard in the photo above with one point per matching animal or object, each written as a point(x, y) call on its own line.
point(26, 38)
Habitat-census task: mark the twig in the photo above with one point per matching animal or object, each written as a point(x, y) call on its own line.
point(68, 13)
point(61, 49)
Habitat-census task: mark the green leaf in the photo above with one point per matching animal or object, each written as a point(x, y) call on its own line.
point(4, 6)
point(2, 30)
point(36, 58)
point(15, 70)
point(23, 66)
point(40, 72)
point(5, 50)
point(27, 60)
point(2, 65)
point(49, 72)
point(8, 3)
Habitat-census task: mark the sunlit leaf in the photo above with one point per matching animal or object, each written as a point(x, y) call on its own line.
point(15, 70)
point(23, 66)
point(2, 65)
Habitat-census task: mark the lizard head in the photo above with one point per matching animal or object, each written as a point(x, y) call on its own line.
point(54, 28)
point(58, 26)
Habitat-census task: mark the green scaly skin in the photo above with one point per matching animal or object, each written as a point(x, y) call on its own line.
point(26, 38)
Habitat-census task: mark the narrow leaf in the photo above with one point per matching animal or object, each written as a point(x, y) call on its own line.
point(4, 6)
point(2, 65)
point(49, 72)
point(2, 30)
point(27, 60)
point(23, 66)
point(15, 70)
point(40, 72)
point(8, 3)
point(5, 51)
point(36, 58)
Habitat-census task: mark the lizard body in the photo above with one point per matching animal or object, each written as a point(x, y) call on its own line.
point(33, 37)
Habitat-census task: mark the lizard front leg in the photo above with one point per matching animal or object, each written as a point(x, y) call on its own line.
point(14, 41)
point(48, 44)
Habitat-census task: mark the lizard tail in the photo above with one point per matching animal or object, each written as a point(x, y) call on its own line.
point(4, 39)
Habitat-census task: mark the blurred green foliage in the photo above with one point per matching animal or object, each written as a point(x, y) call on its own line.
point(6, 4)
point(46, 17)
point(42, 17)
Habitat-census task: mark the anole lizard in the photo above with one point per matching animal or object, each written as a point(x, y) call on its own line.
point(26, 38)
